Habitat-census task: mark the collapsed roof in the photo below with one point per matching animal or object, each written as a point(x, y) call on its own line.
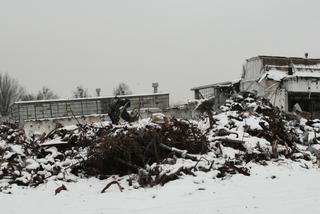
point(217, 85)
point(281, 68)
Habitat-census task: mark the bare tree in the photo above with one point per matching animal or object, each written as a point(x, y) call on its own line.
point(80, 92)
point(28, 96)
point(43, 94)
point(122, 89)
point(46, 94)
point(10, 91)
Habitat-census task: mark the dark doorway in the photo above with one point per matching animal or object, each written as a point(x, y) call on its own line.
point(309, 102)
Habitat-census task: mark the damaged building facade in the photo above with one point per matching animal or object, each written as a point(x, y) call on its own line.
point(218, 91)
point(288, 82)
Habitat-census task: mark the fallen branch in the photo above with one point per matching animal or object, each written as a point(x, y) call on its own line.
point(183, 153)
point(110, 184)
point(225, 132)
point(201, 158)
point(59, 189)
point(46, 136)
point(163, 179)
point(236, 144)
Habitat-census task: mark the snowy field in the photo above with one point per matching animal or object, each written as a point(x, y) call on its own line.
point(277, 188)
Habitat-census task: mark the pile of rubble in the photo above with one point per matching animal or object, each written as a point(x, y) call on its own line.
point(94, 150)
point(250, 129)
point(157, 150)
point(15, 150)
point(26, 162)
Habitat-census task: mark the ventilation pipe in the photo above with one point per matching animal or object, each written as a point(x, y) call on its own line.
point(98, 91)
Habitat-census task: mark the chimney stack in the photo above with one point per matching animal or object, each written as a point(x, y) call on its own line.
point(155, 87)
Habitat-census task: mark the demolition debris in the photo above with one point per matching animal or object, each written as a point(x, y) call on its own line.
point(157, 150)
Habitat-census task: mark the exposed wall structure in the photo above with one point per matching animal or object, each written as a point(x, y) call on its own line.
point(64, 108)
point(220, 91)
point(285, 81)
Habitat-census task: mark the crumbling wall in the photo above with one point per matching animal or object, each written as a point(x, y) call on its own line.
point(281, 99)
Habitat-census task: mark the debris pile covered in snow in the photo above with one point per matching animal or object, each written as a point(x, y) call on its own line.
point(99, 149)
point(157, 150)
point(31, 161)
point(130, 148)
point(250, 129)
point(15, 156)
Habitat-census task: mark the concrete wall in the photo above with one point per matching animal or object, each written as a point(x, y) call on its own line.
point(252, 71)
point(50, 109)
point(184, 112)
point(46, 125)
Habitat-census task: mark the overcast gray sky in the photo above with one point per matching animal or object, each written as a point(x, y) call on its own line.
point(178, 43)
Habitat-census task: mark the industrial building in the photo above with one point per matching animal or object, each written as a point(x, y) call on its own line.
point(25, 111)
point(285, 81)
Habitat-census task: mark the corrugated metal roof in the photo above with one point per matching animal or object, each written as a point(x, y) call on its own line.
point(278, 73)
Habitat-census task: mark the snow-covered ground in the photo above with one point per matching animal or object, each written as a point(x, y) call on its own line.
point(240, 142)
point(282, 187)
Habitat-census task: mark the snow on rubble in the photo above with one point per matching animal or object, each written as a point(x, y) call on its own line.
point(249, 137)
